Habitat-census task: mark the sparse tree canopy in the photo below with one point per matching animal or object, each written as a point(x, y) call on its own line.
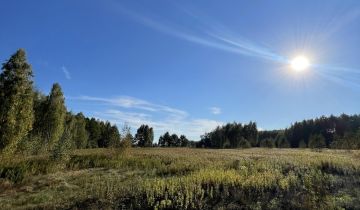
point(126, 137)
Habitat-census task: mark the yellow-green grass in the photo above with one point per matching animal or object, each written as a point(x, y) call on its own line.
point(181, 178)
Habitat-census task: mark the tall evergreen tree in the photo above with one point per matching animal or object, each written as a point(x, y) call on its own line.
point(54, 118)
point(251, 133)
point(114, 136)
point(104, 136)
point(110, 135)
point(176, 141)
point(165, 140)
point(144, 136)
point(16, 101)
point(94, 129)
point(184, 141)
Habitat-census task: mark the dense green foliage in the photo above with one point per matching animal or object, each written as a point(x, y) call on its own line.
point(81, 135)
point(144, 136)
point(178, 178)
point(350, 140)
point(64, 144)
point(31, 122)
point(231, 135)
point(53, 121)
point(173, 140)
point(330, 128)
point(16, 101)
point(341, 132)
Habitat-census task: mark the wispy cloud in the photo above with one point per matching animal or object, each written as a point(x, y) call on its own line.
point(192, 128)
point(339, 21)
point(66, 72)
point(217, 36)
point(209, 36)
point(135, 103)
point(215, 110)
point(135, 112)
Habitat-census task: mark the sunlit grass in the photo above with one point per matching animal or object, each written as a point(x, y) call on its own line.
point(159, 178)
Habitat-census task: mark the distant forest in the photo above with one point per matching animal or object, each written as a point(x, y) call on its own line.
point(342, 132)
point(33, 122)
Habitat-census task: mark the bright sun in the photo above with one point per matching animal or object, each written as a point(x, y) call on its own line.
point(300, 63)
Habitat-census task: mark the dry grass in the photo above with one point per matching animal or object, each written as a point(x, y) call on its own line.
point(183, 178)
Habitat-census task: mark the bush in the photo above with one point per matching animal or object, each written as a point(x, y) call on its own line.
point(17, 171)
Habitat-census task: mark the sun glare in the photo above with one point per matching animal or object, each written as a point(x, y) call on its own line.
point(300, 63)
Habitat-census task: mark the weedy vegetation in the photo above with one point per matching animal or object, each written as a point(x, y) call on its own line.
point(182, 178)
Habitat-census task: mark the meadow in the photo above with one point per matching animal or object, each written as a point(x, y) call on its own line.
point(182, 178)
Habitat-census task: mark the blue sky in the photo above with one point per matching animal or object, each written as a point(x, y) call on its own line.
point(188, 66)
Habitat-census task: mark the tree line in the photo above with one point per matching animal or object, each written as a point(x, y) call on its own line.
point(35, 122)
point(231, 135)
point(342, 132)
point(174, 140)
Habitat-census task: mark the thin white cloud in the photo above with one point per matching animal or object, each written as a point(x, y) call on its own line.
point(192, 128)
point(136, 112)
point(135, 103)
point(209, 36)
point(66, 72)
point(340, 21)
point(217, 36)
point(215, 110)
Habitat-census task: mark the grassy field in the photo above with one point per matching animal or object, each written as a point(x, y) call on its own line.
point(159, 178)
